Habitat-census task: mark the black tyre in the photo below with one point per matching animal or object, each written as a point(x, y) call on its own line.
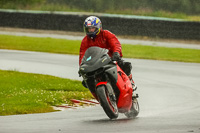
point(134, 111)
point(107, 102)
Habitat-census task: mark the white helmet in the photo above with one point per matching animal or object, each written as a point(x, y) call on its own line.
point(92, 21)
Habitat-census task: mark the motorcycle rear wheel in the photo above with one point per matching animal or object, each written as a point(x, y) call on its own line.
point(134, 111)
point(108, 104)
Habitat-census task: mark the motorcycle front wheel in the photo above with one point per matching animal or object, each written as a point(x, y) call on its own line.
point(107, 102)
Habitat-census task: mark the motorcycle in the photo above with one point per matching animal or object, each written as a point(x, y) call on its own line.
point(113, 88)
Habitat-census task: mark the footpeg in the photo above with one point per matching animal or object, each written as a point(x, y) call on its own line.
point(135, 96)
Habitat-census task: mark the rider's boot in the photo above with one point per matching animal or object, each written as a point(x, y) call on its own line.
point(132, 82)
point(133, 86)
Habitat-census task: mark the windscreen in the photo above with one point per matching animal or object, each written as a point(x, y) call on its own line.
point(92, 54)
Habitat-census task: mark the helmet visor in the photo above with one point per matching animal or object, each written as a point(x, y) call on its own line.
point(91, 29)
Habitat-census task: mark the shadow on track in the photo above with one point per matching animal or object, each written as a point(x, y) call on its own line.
point(107, 120)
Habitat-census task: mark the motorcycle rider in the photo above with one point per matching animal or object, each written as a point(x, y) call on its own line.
point(96, 36)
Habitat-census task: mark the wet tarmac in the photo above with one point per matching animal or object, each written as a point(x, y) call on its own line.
point(169, 98)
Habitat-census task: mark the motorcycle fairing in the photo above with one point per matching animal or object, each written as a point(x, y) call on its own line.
point(125, 88)
point(94, 59)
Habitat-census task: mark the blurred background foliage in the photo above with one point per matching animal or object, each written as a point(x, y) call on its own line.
point(160, 8)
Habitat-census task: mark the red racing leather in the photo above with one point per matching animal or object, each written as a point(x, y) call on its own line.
point(105, 39)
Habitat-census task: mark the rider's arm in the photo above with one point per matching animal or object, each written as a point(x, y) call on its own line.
point(83, 48)
point(113, 42)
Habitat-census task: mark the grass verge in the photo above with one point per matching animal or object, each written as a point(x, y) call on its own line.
point(72, 47)
point(162, 53)
point(23, 93)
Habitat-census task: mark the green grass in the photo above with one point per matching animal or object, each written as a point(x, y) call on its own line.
point(161, 53)
point(23, 93)
point(39, 44)
point(72, 47)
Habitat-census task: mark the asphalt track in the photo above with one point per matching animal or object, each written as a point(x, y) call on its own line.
point(169, 98)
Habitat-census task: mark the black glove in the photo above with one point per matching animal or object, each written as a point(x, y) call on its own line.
point(116, 56)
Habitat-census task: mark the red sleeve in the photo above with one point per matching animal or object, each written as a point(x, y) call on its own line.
point(113, 42)
point(83, 48)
